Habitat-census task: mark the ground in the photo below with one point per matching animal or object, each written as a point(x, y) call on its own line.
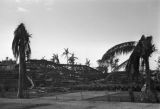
point(77, 100)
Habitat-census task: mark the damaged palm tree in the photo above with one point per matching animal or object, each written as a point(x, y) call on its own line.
point(21, 51)
point(141, 51)
point(132, 66)
point(148, 49)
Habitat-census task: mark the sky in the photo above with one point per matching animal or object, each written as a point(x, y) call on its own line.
point(87, 27)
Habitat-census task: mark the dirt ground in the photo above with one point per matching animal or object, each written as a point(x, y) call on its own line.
point(78, 100)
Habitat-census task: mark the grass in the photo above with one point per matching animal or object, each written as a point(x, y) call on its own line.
point(20, 106)
point(118, 97)
point(35, 95)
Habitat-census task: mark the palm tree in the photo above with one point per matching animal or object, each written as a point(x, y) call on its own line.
point(43, 58)
point(55, 58)
point(142, 50)
point(21, 49)
point(87, 62)
point(72, 59)
point(66, 53)
point(113, 63)
point(103, 67)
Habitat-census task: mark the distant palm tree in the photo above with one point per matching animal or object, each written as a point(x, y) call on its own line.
point(114, 64)
point(55, 58)
point(43, 58)
point(21, 49)
point(102, 66)
point(87, 62)
point(142, 50)
point(66, 53)
point(72, 59)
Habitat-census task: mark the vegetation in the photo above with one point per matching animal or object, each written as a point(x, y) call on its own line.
point(55, 59)
point(21, 49)
point(141, 51)
point(158, 63)
point(87, 63)
point(72, 59)
point(86, 77)
point(66, 53)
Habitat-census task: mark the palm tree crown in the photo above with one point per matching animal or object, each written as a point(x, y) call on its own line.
point(21, 38)
point(55, 58)
point(72, 59)
point(66, 53)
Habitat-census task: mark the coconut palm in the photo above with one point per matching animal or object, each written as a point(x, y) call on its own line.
point(43, 58)
point(72, 59)
point(142, 50)
point(113, 63)
point(55, 58)
point(87, 62)
point(21, 50)
point(103, 67)
point(66, 53)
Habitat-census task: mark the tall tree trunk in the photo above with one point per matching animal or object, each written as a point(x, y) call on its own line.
point(148, 75)
point(130, 90)
point(21, 72)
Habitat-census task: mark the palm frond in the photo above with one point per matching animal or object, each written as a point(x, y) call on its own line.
point(122, 65)
point(28, 51)
point(21, 36)
point(122, 48)
point(15, 46)
point(66, 52)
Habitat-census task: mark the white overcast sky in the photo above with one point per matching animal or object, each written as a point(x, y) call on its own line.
point(87, 27)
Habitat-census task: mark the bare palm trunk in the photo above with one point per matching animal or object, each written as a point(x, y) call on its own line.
point(148, 78)
point(21, 72)
point(130, 90)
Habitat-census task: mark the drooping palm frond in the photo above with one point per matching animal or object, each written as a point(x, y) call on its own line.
point(27, 48)
point(72, 59)
point(15, 46)
point(21, 36)
point(150, 46)
point(55, 58)
point(122, 48)
point(28, 51)
point(122, 65)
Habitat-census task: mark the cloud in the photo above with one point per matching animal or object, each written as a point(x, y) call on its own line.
point(20, 9)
